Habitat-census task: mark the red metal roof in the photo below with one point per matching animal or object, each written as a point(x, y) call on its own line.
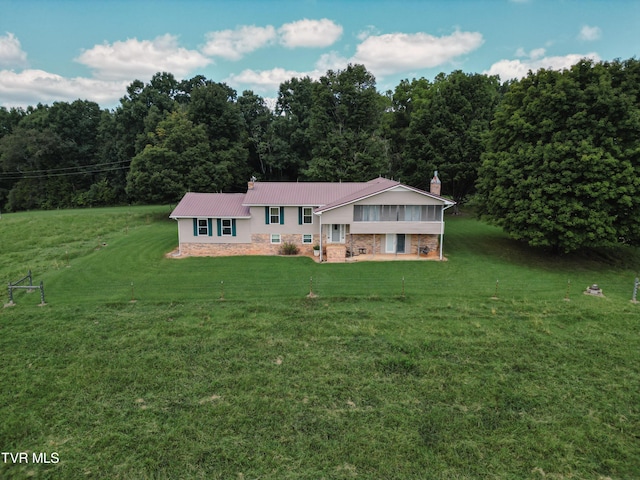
point(211, 205)
point(311, 194)
point(322, 195)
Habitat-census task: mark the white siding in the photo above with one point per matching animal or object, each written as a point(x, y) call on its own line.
point(291, 225)
point(185, 232)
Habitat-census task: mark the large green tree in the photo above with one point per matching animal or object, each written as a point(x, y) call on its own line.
point(563, 163)
point(48, 158)
point(345, 127)
point(177, 159)
point(446, 126)
point(215, 107)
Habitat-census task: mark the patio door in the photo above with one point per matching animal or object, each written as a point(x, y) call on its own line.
point(395, 243)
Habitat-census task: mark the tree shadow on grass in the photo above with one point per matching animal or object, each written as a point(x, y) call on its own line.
point(472, 237)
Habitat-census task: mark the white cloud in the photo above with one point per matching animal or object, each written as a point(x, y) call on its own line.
point(329, 61)
point(382, 55)
point(309, 33)
point(270, 80)
point(263, 80)
point(11, 53)
point(234, 44)
point(141, 58)
point(32, 86)
point(402, 52)
point(515, 69)
point(589, 34)
point(367, 32)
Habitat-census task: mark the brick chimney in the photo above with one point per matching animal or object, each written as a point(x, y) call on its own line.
point(251, 183)
point(435, 184)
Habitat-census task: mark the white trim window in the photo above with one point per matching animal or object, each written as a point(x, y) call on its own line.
point(203, 227)
point(307, 215)
point(307, 238)
point(227, 227)
point(275, 238)
point(274, 215)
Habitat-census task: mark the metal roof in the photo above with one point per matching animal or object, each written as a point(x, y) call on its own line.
point(313, 194)
point(211, 205)
point(321, 195)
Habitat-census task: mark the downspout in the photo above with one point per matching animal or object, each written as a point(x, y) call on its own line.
point(179, 242)
point(442, 231)
point(320, 216)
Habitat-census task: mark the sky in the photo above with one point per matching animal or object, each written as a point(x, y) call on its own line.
point(63, 50)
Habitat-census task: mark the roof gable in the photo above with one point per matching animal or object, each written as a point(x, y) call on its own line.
point(378, 188)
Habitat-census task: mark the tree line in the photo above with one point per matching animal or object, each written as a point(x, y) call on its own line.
point(529, 152)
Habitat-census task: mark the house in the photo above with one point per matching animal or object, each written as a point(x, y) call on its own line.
point(344, 219)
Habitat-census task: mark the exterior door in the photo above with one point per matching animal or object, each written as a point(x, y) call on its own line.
point(395, 243)
point(337, 233)
point(400, 241)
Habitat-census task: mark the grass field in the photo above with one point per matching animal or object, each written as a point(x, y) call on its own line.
point(222, 368)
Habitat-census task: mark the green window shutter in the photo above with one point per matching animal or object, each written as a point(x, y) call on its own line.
point(233, 227)
point(266, 215)
point(299, 215)
point(195, 227)
point(281, 215)
point(210, 225)
point(219, 221)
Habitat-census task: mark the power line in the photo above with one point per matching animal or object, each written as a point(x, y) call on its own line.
point(48, 174)
point(48, 170)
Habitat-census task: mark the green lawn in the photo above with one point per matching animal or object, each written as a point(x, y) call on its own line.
point(361, 382)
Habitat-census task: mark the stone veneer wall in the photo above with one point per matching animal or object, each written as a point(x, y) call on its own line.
point(335, 253)
point(260, 245)
point(357, 241)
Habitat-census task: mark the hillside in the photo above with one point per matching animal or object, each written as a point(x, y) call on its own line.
point(222, 368)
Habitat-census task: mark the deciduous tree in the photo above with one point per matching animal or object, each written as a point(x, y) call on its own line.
point(563, 168)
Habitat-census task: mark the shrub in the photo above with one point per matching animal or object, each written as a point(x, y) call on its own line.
point(288, 249)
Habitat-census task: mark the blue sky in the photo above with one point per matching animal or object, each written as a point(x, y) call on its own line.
point(61, 50)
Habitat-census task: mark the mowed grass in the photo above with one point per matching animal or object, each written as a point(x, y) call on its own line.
point(223, 368)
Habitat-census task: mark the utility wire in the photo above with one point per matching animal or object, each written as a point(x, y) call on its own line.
point(47, 170)
point(48, 174)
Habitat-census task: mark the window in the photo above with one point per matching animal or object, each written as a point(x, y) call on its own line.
point(203, 226)
point(275, 238)
point(307, 238)
point(412, 213)
point(366, 213)
point(274, 215)
point(307, 215)
point(227, 229)
point(397, 213)
point(389, 213)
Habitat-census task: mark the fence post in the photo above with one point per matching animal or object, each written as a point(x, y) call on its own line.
point(311, 294)
point(635, 290)
point(42, 302)
point(495, 295)
point(10, 294)
point(566, 295)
